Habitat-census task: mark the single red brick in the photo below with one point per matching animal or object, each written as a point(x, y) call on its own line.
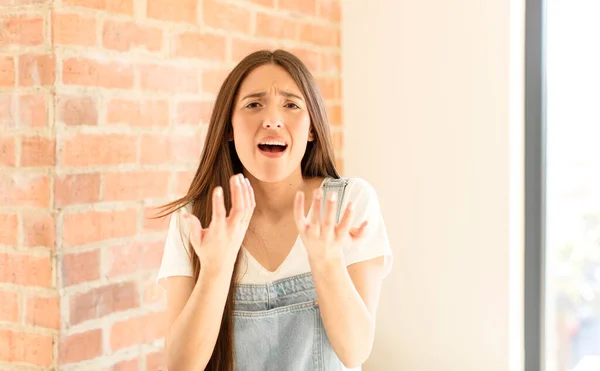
point(105, 74)
point(338, 141)
point(8, 154)
point(331, 63)
point(330, 88)
point(156, 361)
point(265, 3)
point(185, 11)
point(25, 270)
point(242, 48)
point(80, 347)
point(37, 151)
point(136, 256)
point(7, 107)
point(138, 330)
point(9, 233)
point(152, 224)
point(309, 57)
point(133, 186)
point(80, 267)
point(330, 10)
point(320, 35)
point(334, 114)
point(102, 301)
point(183, 180)
point(124, 259)
point(153, 252)
point(275, 26)
point(200, 45)
point(128, 365)
point(94, 226)
point(226, 16)
point(138, 113)
point(43, 312)
point(123, 36)
point(153, 293)
point(24, 347)
point(111, 6)
point(74, 29)
point(32, 111)
point(38, 229)
point(75, 111)
point(193, 112)
point(308, 7)
point(22, 30)
point(76, 189)
point(37, 70)
point(19, 189)
point(213, 79)
point(111, 149)
point(158, 149)
point(9, 306)
point(169, 78)
point(7, 71)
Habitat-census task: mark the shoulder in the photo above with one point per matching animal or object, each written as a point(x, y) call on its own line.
point(360, 191)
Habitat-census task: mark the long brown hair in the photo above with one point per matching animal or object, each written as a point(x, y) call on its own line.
point(219, 161)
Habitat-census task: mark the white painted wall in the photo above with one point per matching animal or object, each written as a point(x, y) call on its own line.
point(433, 113)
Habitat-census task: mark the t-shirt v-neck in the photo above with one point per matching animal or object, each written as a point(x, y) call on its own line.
point(295, 262)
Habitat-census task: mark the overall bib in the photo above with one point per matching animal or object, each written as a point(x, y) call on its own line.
point(278, 327)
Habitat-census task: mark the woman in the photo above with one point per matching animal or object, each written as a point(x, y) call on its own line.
point(256, 278)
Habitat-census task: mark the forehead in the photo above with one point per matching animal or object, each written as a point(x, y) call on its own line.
point(267, 77)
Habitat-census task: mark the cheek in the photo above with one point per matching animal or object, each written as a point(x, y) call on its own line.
point(302, 128)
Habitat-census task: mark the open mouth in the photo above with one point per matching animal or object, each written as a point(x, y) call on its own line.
point(272, 148)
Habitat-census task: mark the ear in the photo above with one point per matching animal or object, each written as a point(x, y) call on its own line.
point(311, 135)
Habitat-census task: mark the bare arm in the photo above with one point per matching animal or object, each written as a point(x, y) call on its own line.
point(348, 300)
point(348, 297)
point(195, 313)
point(195, 309)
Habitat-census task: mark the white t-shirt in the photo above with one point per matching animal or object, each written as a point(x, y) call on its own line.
point(177, 261)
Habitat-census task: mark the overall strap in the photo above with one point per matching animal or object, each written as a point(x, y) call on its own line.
point(334, 185)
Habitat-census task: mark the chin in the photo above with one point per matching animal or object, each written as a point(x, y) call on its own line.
point(272, 174)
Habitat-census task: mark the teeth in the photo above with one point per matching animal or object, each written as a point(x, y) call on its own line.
point(273, 143)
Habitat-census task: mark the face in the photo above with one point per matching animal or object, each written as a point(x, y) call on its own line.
point(271, 124)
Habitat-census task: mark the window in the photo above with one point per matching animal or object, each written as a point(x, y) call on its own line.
point(562, 288)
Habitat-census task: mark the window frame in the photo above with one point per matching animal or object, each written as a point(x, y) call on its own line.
point(535, 185)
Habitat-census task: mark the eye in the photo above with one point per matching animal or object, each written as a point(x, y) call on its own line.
point(292, 106)
point(253, 105)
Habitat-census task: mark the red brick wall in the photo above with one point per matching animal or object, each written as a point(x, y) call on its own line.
point(103, 110)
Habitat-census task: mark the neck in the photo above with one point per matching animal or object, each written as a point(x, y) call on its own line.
point(276, 200)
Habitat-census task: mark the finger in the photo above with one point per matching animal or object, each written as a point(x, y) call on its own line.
point(237, 197)
point(195, 229)
point(360, 232)
point(329, 219)
point(343, 227)
point(218, 209)
point(247, 200)
point(315, 217)
point(299, 212)
point(252, 199)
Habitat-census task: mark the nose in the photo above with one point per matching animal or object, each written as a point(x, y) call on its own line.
point(269, 124)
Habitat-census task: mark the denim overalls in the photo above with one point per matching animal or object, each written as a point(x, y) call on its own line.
point(278, 327)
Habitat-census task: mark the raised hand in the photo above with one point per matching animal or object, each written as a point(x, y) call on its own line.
point(323, 239)
point(217, 245)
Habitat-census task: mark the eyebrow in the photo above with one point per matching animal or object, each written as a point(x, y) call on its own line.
point(282, 93)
